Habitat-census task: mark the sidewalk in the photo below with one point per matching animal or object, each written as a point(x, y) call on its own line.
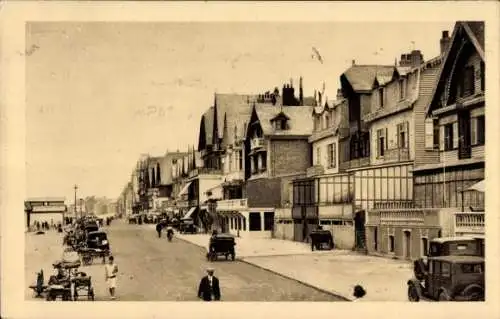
point(257, 247)
point(336, 271)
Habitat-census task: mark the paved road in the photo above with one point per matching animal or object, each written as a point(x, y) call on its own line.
point(153, 269)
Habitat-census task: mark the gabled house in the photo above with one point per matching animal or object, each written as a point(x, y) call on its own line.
point(438, 150)
point(276, 152)
point(455, 127)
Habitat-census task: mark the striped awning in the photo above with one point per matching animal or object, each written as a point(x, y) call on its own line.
point(185, 189)
point(189, 213)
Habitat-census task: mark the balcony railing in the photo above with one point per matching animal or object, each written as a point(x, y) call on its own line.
point(468, 223)
point(402, 217)
point(396, 155)
point(232, 204)
point(256, 143)
point(205, 171)
point(315, 170)
point(355, 163)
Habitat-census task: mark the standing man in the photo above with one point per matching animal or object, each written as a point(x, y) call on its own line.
point(159, 226)
point(111, 272)
point(209, 287)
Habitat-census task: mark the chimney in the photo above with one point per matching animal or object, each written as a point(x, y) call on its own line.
point(445, 42)
point(340, 95)
point(416, 58)
point(301, 92)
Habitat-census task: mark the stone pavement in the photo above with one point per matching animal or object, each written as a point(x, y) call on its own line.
point(254, 247)
point(336, 271)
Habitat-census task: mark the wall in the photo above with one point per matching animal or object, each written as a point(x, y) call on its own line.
point(391, 124)
point(343, 235)
point(416, 235)
point(337, 188)
point(264, 192)
point(284, 230)
point(323, 160)
point(288, 156)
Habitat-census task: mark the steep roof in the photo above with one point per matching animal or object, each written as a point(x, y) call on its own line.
point(235, 108)
point(300, 119)
point(362, 77)
point(475, 32)
point(208, 121)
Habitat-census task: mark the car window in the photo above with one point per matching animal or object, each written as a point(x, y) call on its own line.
point(472, 268)
point(445, 269)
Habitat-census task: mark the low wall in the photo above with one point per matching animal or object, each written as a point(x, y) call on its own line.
point(283, 231)
point(343, 235)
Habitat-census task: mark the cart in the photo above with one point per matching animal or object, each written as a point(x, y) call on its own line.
point(321, 239)
point(88, 255)
point(221, 245)
point(82, 283)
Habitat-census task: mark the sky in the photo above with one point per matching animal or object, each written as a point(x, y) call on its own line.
point(99, 94)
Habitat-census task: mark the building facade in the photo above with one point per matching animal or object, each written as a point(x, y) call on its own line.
point(44, 209)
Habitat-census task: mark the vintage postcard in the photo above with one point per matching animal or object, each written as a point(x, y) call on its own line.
point(169, 155)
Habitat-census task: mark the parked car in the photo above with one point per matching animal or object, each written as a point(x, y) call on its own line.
point(98, 240)
point(221, 245)
point(449, 278)
point(321, 239)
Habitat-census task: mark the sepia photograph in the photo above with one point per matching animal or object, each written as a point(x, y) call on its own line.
point(254, 161)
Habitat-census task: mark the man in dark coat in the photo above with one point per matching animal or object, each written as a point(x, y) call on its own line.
point(159, 227)
point(209, 287)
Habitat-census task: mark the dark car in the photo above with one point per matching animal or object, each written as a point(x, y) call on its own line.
point(449, 278)
point(221, 245)
point(91, 227)
point(98, 240)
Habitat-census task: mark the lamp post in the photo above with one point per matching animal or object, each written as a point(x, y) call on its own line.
point(75, 188)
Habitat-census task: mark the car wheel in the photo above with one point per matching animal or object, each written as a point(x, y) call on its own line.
point(413, 293)
point(233, 257)
point(443, 296)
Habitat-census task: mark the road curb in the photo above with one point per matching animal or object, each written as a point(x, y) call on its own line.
point(334, 294)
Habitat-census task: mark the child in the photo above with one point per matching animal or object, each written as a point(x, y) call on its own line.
point(111, 272)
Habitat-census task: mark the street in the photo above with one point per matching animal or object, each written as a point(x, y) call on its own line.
point(153, 269)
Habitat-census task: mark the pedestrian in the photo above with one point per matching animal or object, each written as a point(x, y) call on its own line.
point(209, 287)
point(159, 226)
point(111, 270)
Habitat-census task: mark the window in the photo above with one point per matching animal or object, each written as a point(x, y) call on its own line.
point(332, 160)
point(240, 160)
point(317, 123)
point(254, 220)
point(480, 130)
point(268, 220)
point(445, 269)
point(232, 226)
point(403, 135)
point(244, 221)
point(402, 91)
point(448, 137)
point(435, 127)
point(425, 246)
point(318, 156)
point(381, 142)
point(327, 120)
point(381, 97)
point(391, 243)
point(482, 76)
point(472, 268)
point(466, 86)
point(264, 162)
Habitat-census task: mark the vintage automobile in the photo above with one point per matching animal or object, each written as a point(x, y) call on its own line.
point(458, 246)
point(449, 278)
point(321, 239)
point(98, 240)
point(221, 245)
point(187, 226)
point(91, 227)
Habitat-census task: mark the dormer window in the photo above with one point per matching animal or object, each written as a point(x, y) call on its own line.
point(280, 124)
point(402, 89)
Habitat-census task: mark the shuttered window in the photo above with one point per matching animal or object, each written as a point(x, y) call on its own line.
point(403, 135)
point(477, 130)
point(381, 142)
point(429, 133)
point(332, 155)
point(455, 135)
point(448, 137)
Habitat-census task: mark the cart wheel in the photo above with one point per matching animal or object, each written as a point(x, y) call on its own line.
point(208, 256)
point(413, 293)
point(75, 295)
point(213, 257)
point(233, 257)
point(91, 295)
point(227, 256)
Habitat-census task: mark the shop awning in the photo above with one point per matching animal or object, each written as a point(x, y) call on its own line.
point(479, 186)
point(185, 189)
point(189, 213)
point(231, 214)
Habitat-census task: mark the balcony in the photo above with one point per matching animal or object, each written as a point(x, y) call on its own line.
point(232, 204)
point(395, 155)
point(204, 171)
point(256, 143)
point(315, 170)
point(468, 223)
point(355, 163)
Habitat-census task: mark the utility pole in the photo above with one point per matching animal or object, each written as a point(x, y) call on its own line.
point(75, 187)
